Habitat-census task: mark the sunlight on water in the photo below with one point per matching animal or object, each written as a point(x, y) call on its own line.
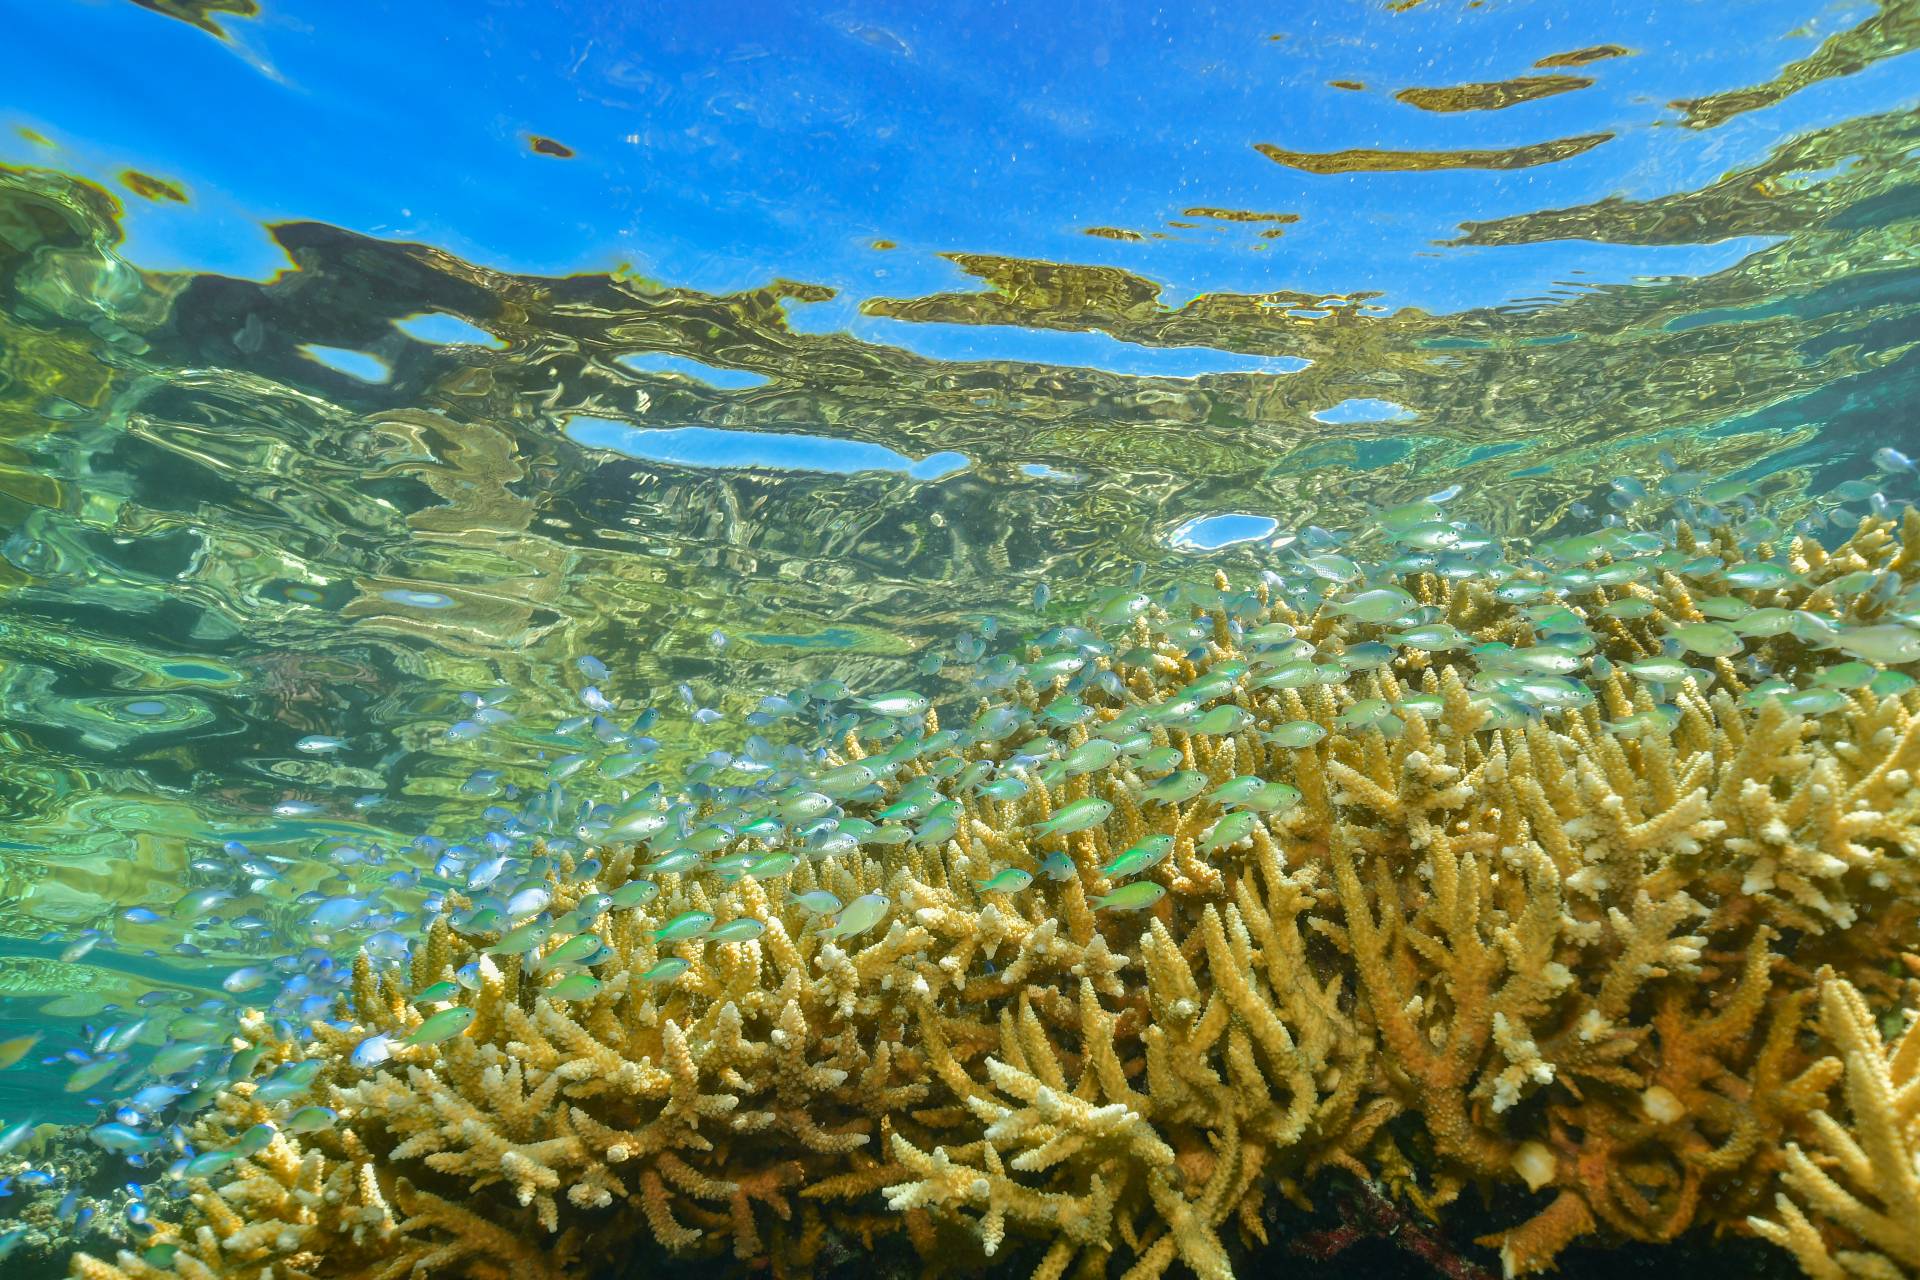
point(742, 360)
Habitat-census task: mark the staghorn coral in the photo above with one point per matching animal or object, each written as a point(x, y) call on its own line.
point(1480, 949)
point(1863, 1185)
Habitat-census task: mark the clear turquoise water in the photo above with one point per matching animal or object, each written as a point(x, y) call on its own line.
point(829, 336)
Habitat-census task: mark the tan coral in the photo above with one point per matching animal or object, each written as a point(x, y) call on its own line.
point(1558, 953)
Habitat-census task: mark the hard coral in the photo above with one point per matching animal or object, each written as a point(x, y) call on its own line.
point(1480, 949)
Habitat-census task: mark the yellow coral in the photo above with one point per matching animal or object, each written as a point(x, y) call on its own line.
point(1555, 951)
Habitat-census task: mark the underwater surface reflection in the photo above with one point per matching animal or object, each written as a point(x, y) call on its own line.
point(420, 354)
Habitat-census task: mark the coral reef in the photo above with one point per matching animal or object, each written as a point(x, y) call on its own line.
point(1446, 947)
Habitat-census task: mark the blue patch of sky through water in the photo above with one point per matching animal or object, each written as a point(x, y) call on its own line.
point(1210, 533)
point(718, 447)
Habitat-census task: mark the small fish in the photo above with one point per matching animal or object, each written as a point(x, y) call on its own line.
point(1815, 702)
point(242, 980)
point(815, 902)
point(1010, 880)
point(1294, 734)
point(1659, 720)
point(743, 929)
point(572, 951)
point(1081, 815)
point(312, 1119)
point(1659, 670)
point(1147, 853)
point(688, 924)
point(635, 893)
point(373, 1050)
point(123, 1139)
point(1177, 788)
point(858, 916)
point(1709, 639)
point(1845, 675)
point(92, 1073)
point(1229, 830)
point(1887, 643)
point(11, 1051)
point(1222, 720)
point(517, 942)
point(319, 743)
point(442, 1026)
point(1892, 460)
point(897, 704)
point(667, 970)
point(673, 862)
point(1760, 576)
point(774, 864)
point(575, 986)
point(207, 1163)
point(1159, 760)
point(1058, 866)
point(1137, 896)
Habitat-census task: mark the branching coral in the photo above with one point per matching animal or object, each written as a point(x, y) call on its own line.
point(1575, 953)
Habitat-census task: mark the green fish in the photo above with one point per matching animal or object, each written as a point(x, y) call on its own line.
point(575, 986)
point(1235, 790)
point(437, 992)
point(1434, 638)
point(1011, 880)
point(1147, 853)
point(1272, 797)
point(1294, 734)
point(815, 901)
point(1231, 829)
point(1159, 760)
point(1089, 756)
point(1846, 675)
point(1078, 816)
point(635, 893)
point(1724, 608)
point(1760, 576)
point(1367, 713)
point(1177, 788)
point(744, 929)
point(674, 861)
point(1137, 896)
point(688, 924)
point(444, 1025)
point(666, 971)
point(897, 704)
point(312, 1119)
point(1659, 670)
point(774, 864)
point(858, 916)
point(572, 951)
point(1709, 639)
point(1221, 720)
point(517, 942)
point(1891, 684)
point(1058, 866)
point(1888, 643)
point(1815, 702)
point(1428, 706)
point(1382, 604)
point(1627, 609)
point(1764, 622)
point(1297, 674)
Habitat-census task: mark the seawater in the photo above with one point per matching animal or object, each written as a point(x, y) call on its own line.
point(402, 364)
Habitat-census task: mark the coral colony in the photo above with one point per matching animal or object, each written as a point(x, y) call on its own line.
point(1575, 881)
